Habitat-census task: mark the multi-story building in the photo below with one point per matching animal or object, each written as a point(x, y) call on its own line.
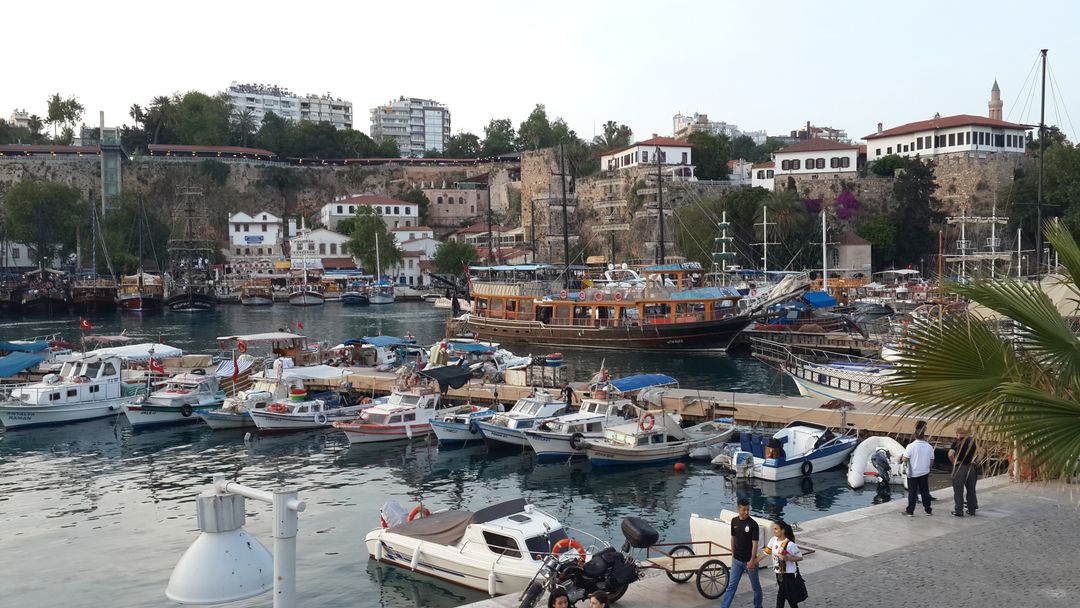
point(763, 175)
point(405, 234)
point(20, 118)
point(395, 213)
point(261, 98)
point(817, 157)
point(417, 125)
point(810, 131)
point(258, 234)
point(739, 171)
point(672, 152)
point(682, 126)
point(457, 203)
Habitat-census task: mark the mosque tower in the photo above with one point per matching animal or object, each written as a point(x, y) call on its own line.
point(995, 102)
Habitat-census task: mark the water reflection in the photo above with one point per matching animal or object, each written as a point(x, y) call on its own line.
point(397, 587)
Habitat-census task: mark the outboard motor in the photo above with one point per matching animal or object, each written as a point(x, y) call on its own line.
point(880, 460)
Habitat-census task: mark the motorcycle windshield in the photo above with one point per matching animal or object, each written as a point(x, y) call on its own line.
point(539, 546)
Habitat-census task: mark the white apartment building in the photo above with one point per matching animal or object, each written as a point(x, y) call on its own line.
point(410, 233)
point(15, 256)
point(763, 175)
point(948, 135)
point(318, 249)
point(262, 98)
point(417, 125)
point(20, 118)
point(396, 214)
point(682, 126)
point(817, 157)
point(672, 152)
point(258, 234)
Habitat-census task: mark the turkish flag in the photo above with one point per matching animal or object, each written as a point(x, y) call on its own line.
point(299, 325)
point(235, 369)
point(84, 324)
point(156, 367)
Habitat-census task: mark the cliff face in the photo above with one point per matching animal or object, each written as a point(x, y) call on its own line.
point(231, 187)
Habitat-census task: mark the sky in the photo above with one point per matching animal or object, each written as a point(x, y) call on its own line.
point(761, 65)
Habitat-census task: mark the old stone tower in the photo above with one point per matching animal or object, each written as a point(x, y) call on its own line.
point(995, 102)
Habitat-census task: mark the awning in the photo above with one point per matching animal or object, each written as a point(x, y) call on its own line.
point(449, 376)
point(819, 299)
point(640, 381)
point(225, 369)
point(380, 341)
point(138, 353)
point(308, 372)
point(23, 347)
point(18, 362)
point(267, 337)
point(470, 347)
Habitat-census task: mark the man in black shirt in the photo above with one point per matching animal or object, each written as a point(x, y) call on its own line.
point(744, 553)
point(962, 455)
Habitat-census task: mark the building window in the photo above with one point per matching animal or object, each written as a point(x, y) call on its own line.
point(246, 227)
point(472, 209)
point(845, 162)
point(397, 210)
point(247, 251)
point(340, 210)
point(14, 253)
point(888, 150)
point(952, 140)
point(785, 165)
point(408, 223)
point(918, 144)
point(769, 174)
point(834, 162)
point(461, 200)
point(796, 164)
point(238, 227)
point(237, 251)
point(760, 174)
point(685, 158)
point(877, 151)
point(438, 201)
point(926, 142)
point(333, 248)
point(821, 163)
point(905, 148)
point(644, 156)
point(408, 210)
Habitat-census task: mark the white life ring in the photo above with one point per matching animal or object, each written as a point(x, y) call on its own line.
point(320, 418)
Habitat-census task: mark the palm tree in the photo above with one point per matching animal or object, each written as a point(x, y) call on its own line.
point(1020, 386)
point(243, 124)
point(35, 125)
point(161, 114)
point(137, 114)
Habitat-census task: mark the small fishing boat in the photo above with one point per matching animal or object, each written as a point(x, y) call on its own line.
point(407, 414)
point(381, 292)
point(876, 460)
point(302, 247)
point(564, 437)
point(798, 449)
point(497, 549)
point(177, 401)
point(458, 428)
point(654, 437)
point(355, 295)
point(299, 412)
point(257, 292)
point(91, 293)
point(141, 292)
point(84, 389)
point(508, 429)
point(235, 412)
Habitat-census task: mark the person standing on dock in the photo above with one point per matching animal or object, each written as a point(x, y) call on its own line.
point(567, 394)
point(962, 455)
point(744, 554)
point(918, 455)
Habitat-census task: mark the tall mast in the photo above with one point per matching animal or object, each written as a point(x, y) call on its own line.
point(765, 238)
point(565, 228)
point(1042, 160)
point(378, 264)
point(824, 254)
point(660, 202)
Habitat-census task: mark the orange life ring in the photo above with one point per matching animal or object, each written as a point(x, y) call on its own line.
point(277, 408)
point(618, 296)
point(419, 511)
point(569, 543)
point(581, 296)
point(366, 400)
point(563, 295)
point(647, 421)
point(598, 296)
point(241, 346)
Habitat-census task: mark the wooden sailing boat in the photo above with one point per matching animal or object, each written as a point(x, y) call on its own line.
point(191, 290)
point(382, 292)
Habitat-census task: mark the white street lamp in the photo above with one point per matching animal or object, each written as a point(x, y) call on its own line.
point(225, 563)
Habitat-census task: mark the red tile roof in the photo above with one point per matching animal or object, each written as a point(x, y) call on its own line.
point(160, 149)
point(338, 264)
point(412, 254)
point(816, 145)
point(946, 122)
point(655, 141)
point(411, 229)
point(372, 199)
point(768, 165)
point(8, 149)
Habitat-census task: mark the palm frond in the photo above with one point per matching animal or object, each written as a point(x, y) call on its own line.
point(1046, 425)
point(1067, 250)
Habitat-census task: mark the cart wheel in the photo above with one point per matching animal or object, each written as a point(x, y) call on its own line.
point(680, 577)
point(712, 579)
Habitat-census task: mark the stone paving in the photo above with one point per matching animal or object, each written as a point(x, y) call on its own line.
point(1020, 550)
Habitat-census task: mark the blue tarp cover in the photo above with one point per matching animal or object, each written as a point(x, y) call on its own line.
point(819, 299)
point(471, 347)
point(705, 293)
point(383, 341)
point(640, 381)
point(18, 362)
point(23, 347)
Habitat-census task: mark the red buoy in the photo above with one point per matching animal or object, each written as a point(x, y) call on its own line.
point(680, 467)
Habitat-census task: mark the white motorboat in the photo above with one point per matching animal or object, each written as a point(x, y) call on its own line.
point(876, 460)
point(562, 438)
point(798, 449)
point(458, 428)
point(235, 412)
point(497, 549)
point(509, 428)
point(84, 389)
point(653, 438)
point(177, 401)
point(407, 414)
point(381, 292)
point(299, 412)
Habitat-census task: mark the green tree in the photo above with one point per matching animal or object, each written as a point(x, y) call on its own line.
point(886, 166)
point(710, 155)
point(273, 135)
point(243, 125)
point(743, 147)
point(881, 232)
point(451, 257)
point(535, 132)
point(1017, 381)
point(763, 153)
point(136, 233)
point(367, 228)
point(463, 145)
point(417, 196)
point(614, 136)
point(160, 118)
point(499, 138)
point(63, 113)
point(918, 211)
point(695, 226)
point(202, 120)
point(45, 216)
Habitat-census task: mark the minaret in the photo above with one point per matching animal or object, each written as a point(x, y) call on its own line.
point(995, 102)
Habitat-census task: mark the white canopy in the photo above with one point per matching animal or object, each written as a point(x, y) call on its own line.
point(267, 337)
point(309, 372)
point(138, 353)
point(900, 271)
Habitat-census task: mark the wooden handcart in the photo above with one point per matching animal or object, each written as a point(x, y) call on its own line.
point(683, 561)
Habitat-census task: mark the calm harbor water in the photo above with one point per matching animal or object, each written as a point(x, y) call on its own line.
point(95, 515)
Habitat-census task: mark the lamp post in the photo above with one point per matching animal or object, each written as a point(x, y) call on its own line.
point(225, 563)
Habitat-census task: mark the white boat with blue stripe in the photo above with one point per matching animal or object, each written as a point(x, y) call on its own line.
point(797, 450)
point(564, 437)
point(460, 427)
point(655, 437)
point(509, 429)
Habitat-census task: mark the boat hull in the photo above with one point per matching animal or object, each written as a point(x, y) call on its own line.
point(380, 299)
point(256, 300)
point(273, 422)
point(140, 302)
point(704, 335)
point(354, 299)
point(143, 416)
point(808, 388)
point(556, 447)
point(823, 459)
point(219, 420)
point(606, 456)
point(307, 298)
point(191, 302)
point(501, 436)
point(25, 416)
point(455, 433)
point(375, 433)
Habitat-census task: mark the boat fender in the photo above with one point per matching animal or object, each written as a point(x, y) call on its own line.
point(241, 346)
point(575, 441)
point(569, 543)
point(415, 558)
point(492, 579)
point(473, 427)
point(598, 296)
point(379, 549)
point(408, 430)
point(419, 511)
point(807, 468)
point(647, 421)
point(186, 410)
point(320, 418)
point(199, 372)
point(618, 296)
point(563, 294)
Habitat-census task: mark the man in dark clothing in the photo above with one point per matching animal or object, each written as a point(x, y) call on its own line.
point(567, 395)
point(962, 455)
point(744, 554)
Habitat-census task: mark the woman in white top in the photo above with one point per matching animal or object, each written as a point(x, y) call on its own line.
point(785, 553)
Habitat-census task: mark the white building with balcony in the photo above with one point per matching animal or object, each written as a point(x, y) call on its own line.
point(417, 125)
point(262, 98)
point(671, 151)
point(257, 234)
point(817, 157)
point(396, 214)
point(962, 133)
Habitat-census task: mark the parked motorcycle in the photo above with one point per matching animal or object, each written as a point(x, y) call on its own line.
point(609, 570)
